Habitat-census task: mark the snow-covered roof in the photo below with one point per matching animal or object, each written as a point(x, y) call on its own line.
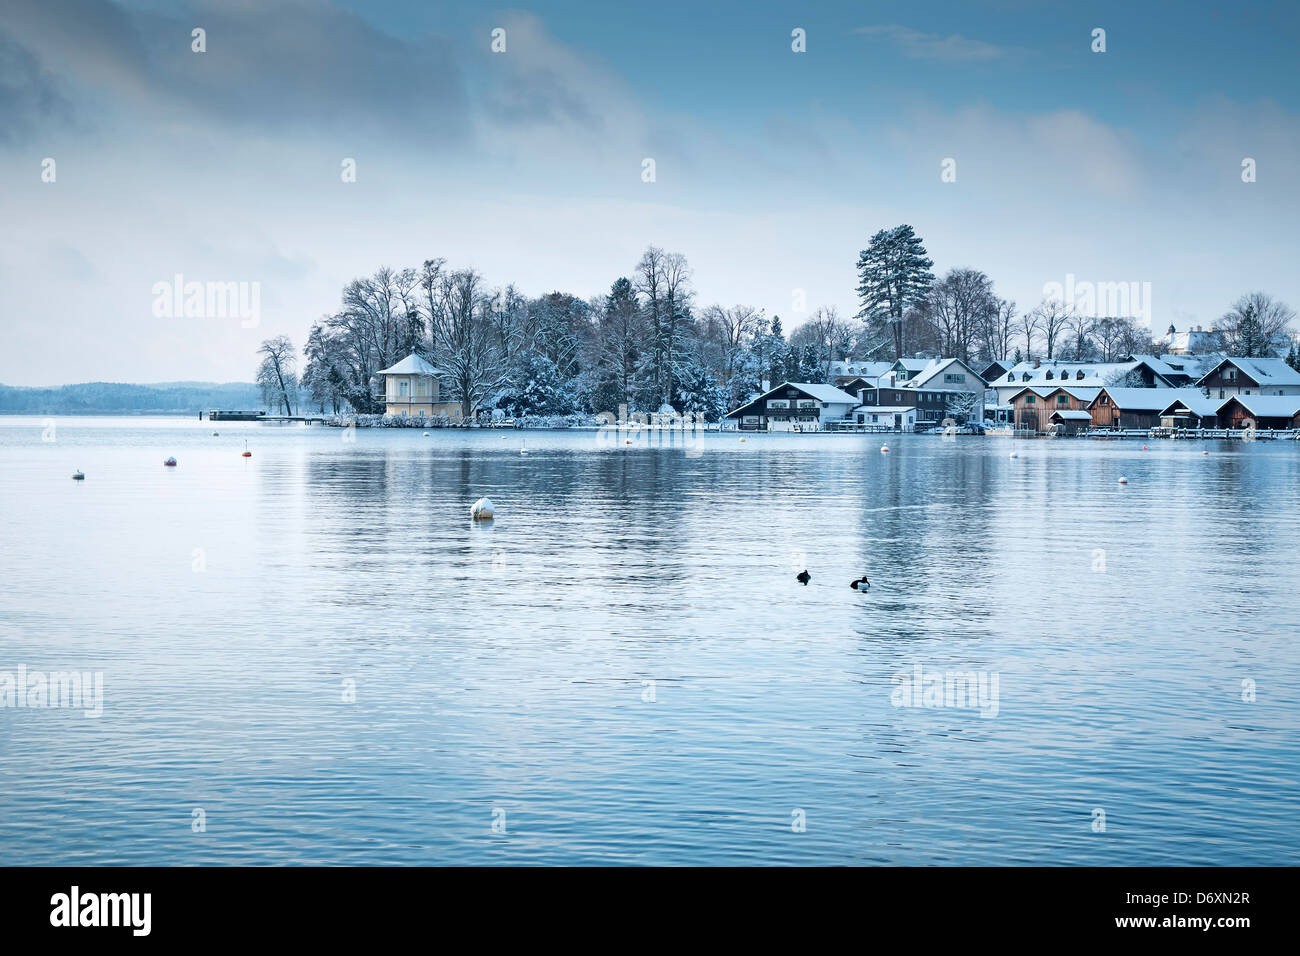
point(1192, 399)
point(912, 364)
point(938, 366)
point(1083, 393)
point(823, 393)
point(1073, 414)
point(884, 408)
point(1266, 371)
point(1148, 399)
point(411, 365)
point(863, 369)
point(1095, 374)
point(1266, 406)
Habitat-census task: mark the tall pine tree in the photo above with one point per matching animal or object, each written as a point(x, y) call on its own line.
point(893, 273)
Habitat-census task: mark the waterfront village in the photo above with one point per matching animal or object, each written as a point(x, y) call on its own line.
point(1174, 395)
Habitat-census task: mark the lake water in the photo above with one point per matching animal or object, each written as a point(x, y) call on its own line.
point(622, 668)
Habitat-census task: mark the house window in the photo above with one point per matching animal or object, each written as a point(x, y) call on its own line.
point(1079, 375)
point(1105, 399)
point(422, 413)
point(1024, 377)
point(1030, 400)
point(898, 398)
point(956, 378)
point(1230, 374)
point(868, 396)
point(403, 388)
point(1062, 399)
point(1049, 376)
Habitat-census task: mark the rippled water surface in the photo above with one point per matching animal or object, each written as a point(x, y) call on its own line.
point(503, 672)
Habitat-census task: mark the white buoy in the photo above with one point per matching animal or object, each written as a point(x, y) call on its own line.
point(884, 449)
point(426, 434)
point(482, 510)
point(1205, 453)
point(523, 449)
point(1014, 454)
point(1123, 480)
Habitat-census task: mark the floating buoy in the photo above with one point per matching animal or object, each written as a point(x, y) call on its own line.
point(1014, 454)
point(1123, 480)
point(884, 449)
point(481, 510)
point(78, 476)
point(523, 449)
point(214, 434)
point(1144, 447)
point(740, 439)
point(1205, 453)
point(247, 453)
point(426, 434)
point(629, 441)
point(170, 463)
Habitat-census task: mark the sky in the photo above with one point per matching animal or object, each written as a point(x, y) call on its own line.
point(772, 168)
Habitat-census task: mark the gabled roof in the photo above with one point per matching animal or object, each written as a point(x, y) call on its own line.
point(1192, 399)
point(1265, 371)
point(1072, 414)
point(1147, 399)
point(822, 393)
point(1095, 374)
point(1083, 393)
point(411, 365)
point(863, 369)
point(911, 364)
point(1266, 406)
point(938, 367)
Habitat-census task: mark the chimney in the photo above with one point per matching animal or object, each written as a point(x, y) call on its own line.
point(1037, 363)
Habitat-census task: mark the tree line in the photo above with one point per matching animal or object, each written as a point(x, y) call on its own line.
point(648, 343)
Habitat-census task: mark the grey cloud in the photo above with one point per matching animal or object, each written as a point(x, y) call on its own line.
point(541, 96)
point(29, 97)
point(300, 65)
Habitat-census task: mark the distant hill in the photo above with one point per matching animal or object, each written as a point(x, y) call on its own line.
point(115, 398)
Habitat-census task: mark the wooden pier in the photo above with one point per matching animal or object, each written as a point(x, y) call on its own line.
point(226, 415)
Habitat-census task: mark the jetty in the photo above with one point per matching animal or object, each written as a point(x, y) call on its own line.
point(235, 415)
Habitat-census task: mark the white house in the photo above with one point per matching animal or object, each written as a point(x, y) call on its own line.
point(411, 390)
point(1251, 376)
point(794, 406)
point(953, 376)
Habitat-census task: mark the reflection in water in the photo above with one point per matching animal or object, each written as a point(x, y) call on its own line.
point(623, 662)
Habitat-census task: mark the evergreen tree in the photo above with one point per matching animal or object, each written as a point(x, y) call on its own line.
point(894, 273)
point(1292, 358)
